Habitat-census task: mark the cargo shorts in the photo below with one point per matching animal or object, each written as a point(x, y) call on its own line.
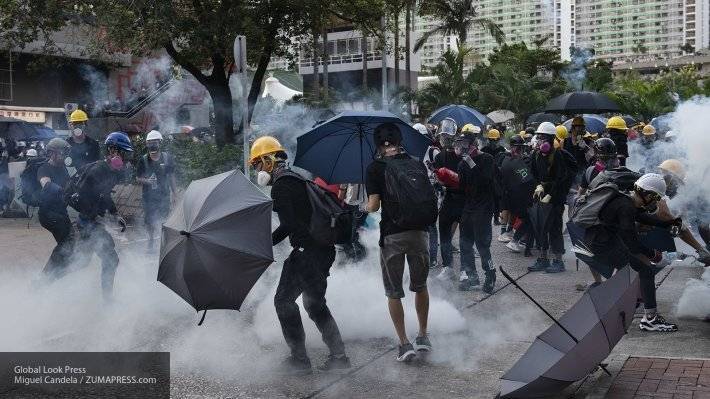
point(412, 245)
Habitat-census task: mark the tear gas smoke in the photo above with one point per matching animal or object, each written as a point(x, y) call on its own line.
point(695, 300)
point(576, 72)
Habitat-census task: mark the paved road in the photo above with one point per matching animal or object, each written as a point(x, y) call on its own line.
point(476, 338)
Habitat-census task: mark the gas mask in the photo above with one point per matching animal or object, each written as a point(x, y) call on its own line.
point(545, 147)
point(77, 132)
point(116, 162)
point(263, 178)
point(68, 161)
point(493, 143)
point(153, 147)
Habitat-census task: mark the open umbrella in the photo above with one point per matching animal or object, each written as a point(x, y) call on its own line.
point(462, 114)
point(217, 242)
point(592, 123)
point(501, 115)
point(340, 149)
point(630, 120)
point(573, 347)
point(536, 119)
point(582, 102)
point(18, 130)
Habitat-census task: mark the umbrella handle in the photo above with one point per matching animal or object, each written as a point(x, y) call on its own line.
point(203, 317)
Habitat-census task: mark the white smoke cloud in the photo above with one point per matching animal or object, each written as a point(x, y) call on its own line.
point(695, 300)
point(576, 72)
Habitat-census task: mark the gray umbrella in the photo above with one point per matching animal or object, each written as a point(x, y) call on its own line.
point(217, 242)
point(573, 346)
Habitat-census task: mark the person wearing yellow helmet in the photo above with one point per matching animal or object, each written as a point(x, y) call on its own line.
point(494, 148)
point(648, 136)
point(83, 149)
point(617, 131)
point(294, 209)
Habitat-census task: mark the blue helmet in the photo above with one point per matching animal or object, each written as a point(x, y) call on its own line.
point(119, 140)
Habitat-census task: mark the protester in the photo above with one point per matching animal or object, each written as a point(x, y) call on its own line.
point(648, 136)
point(402, 230)
point(616, 130)
point(53, 176)
point(445, 164)
point(307, 267)
point(429, 158)
point(495, 149)
point(554, 169)
point(354, 198)
point(614, 242)
point(476, 173)
point(156, 173)
point(518, 185)
point(605, 157)
point(84, 150)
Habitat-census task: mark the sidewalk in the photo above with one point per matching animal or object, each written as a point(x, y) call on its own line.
point(653, 377)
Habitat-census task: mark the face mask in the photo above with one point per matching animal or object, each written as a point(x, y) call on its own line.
point(599, 166)
point(494, 143)
point(67, 161)
point(263, 178)
point(77, 131)
point(153, 147)
point(116, 162)
point(545, 147)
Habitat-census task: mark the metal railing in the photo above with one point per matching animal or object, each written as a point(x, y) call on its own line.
point(144, 102)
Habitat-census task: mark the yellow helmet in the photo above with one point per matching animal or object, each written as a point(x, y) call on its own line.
point(673, 166)
point(470, 128)
point(648, 130)
point(616, 122)
point(265, 145)
point(78, 116)
point(493, 134)
point(561, 132)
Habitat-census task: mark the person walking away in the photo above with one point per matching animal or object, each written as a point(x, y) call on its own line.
point(554, 169)
point(89, 192)
point(429, 158)
point(445, 164)
point(614, 242)
point(400, 185)
point(495, 149)
point(616, 130)
point(52, 177)
point(84, 150)
point(476, 174)
point(156, 173)
point(518, 185)
point(306, 270)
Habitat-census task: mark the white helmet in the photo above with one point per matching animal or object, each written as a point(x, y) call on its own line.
point(547, 128)
point(670, 134)
point(652, 182)
point(31, 152)
point(421, 128)
point(153, 135)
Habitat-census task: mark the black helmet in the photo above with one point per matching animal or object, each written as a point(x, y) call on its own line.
point(517, 140)
point(605, 148)
point(387, 133)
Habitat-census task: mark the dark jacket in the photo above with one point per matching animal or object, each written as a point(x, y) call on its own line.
point(85, 152)
point(556, 173)
point(95, 190)
point(293, 208)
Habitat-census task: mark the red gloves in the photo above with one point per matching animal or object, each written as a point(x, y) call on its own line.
point(447, 177)
point(657, 256)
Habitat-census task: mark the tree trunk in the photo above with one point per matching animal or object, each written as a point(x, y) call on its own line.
point(408, 45)
point(326, 59)
point(364, 63)
point(316, 68)
point(223, 117)
point(396, 50)
point(255, 88)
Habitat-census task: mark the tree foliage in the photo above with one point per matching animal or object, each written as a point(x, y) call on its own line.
point(456, 17)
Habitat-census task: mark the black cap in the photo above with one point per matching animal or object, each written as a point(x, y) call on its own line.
point(387, 133)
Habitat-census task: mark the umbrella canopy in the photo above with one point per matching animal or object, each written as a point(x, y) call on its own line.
point(18, 130)
point(630, 120)
point(538, 118)
point(340, 149)
point(663, 123)
point(217, 242)
point(592, 123)
point(462, 114)
point(596, 323)
point(582, 102)
point(501, 115)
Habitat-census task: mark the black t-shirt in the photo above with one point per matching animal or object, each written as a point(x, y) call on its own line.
point(162, 169)
point(375, 184)
point(477, 183)
point(517, 181)
point(293, 207)
point(59, 176)
point(95, 191)
point(83, 153)
point(449, 160)
point(619, 218)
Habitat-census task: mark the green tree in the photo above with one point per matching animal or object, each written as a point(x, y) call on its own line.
point(599, 76)
point(644, 98)
point(457, 17)
point(450, 87)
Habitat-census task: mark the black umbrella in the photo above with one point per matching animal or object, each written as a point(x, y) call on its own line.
point(538, 214)
point(18, 130)
point(573, 347)
point(217, 242)
point(582, 102)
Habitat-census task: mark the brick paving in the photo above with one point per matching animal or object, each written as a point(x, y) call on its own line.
point(653, 377)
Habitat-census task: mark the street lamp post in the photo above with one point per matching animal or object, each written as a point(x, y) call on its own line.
point(240, 63)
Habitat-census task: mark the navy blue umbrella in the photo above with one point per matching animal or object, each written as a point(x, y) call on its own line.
point(593, 123)
point(462, 114)
point(18, 130)
point(340, 149)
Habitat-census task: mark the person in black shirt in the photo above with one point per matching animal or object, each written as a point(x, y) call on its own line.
point(84, 150)
point(93, 199)
point(396, 243)
point(53, 215)
point(156, 172)
point(616, 130)
point(307, 267)
point(615, 242)
point(518, 184)
point(495, 149)
point(476, 173)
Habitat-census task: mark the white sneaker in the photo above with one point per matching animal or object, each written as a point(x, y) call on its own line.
point(657, 323)
point(447, 273)
point(514, 246)
point(505, 237)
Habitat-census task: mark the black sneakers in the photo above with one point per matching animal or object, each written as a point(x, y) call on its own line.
point(295, 366)
point(422, 344)
point(406, 353)
point(657, 323)
point(490, 282)
point(335, 363)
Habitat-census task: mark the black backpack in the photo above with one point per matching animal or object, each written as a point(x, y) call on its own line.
point(622, 177)
point(330, 222)
point(29, 184)
point(585, 213)
point(407, 185)
point(74, 186)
